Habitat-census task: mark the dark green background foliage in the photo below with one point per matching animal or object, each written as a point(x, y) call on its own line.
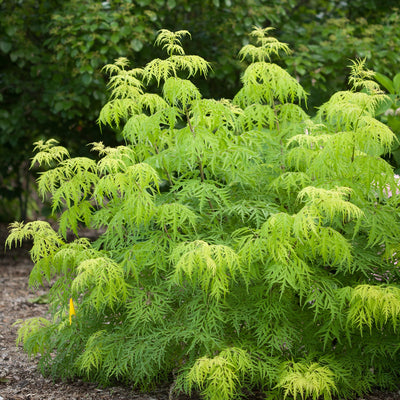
point(51, 53)
point(51, 84)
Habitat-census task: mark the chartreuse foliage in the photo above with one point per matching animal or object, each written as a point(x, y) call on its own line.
point(244, 244)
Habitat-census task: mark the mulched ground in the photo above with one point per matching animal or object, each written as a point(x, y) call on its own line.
point(19, 378)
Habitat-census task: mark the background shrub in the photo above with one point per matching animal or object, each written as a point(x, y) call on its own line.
point(51, 54)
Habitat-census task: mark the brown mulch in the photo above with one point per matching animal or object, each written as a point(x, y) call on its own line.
point(19, 377)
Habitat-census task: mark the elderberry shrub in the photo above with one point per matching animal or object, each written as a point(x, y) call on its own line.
point(267, 260)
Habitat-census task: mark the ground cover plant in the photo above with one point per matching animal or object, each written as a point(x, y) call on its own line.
point(245, 245)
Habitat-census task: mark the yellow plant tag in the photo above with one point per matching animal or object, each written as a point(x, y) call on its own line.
point(71, 310)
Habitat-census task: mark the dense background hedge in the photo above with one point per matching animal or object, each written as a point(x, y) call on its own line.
point(52, 52)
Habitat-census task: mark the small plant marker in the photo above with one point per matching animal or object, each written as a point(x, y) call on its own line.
point(71, 310)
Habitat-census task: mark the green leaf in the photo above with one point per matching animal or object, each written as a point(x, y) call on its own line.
point(86, 79)
point(11, 30)
point(14, 56)
point(396, 156)
point(87, 68)
point(5, 46)
point(136, 44)
point(394, 123)
point(385, 82)
point(384, 106)
point(115, 37)
point(396, 83)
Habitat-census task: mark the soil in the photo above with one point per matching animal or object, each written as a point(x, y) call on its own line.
point(19, 377)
